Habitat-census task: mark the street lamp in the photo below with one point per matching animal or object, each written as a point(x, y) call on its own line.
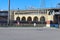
point(8, 12)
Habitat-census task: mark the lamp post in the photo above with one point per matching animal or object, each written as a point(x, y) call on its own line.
point(8, 12)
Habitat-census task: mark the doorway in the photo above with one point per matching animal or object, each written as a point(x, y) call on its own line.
point(56, 19)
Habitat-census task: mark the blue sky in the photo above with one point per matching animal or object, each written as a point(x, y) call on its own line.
point(25, 4)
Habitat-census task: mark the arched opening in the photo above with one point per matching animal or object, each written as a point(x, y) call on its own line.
point(18, 19)
point(42, 19)
point(23, 19)
point(29, 19)
point(35, 19)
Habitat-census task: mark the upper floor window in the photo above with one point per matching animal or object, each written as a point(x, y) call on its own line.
point(50, 12)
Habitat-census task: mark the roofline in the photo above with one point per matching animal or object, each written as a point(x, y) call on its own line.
point(34, 9)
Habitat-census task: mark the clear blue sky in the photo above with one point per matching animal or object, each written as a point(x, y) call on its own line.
point(24, 4)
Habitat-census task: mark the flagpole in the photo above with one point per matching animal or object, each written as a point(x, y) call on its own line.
point(8, 12)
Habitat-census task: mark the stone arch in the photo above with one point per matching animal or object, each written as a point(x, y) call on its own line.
point(42, 19)
point(29, 18)
point(23, 19)
point(35, 18)
point(18, 18)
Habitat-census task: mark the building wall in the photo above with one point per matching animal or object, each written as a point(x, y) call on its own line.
point(32, 16)
point(39, 15)
point(49, 17)
point(11, 15)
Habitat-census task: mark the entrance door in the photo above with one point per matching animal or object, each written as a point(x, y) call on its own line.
point(55, 19)
point(58, 19)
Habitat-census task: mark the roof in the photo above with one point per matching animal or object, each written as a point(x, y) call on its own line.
point(33, 9)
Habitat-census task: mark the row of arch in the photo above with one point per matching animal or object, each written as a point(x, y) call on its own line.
point(42, 19)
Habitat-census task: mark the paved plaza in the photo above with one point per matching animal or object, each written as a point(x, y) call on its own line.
point(29, 33)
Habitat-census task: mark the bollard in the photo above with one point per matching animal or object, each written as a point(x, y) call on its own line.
point(34, 24)
point(48, 24)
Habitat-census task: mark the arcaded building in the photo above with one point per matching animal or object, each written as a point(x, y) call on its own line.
point(38, 16)
point(46, 15)
point(32, 15)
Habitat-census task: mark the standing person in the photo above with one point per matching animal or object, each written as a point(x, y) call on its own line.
point(34, 24)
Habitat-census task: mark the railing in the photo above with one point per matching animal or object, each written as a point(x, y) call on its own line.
point(22, 24)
